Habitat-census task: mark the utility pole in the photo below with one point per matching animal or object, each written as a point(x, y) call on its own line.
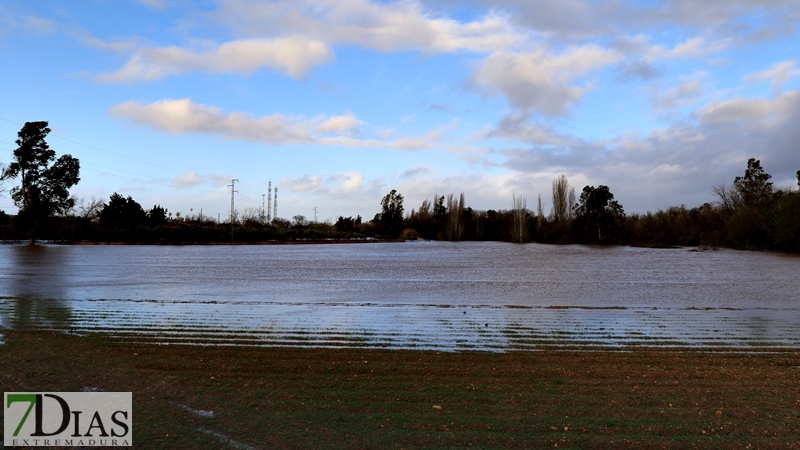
point(263, 212)
point(269, 202)
point(232, 209)
point(315, 214)
point(275, 204)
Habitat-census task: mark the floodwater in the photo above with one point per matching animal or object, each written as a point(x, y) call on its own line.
point(424, 295)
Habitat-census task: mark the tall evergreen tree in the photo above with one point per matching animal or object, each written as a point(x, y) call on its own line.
point(44, 188)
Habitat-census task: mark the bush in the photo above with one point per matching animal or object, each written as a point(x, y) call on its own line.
point(409, 234)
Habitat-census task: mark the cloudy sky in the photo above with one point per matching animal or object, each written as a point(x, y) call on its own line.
point(338, 102)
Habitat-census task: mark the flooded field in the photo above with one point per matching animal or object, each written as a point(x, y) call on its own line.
point(422, 295)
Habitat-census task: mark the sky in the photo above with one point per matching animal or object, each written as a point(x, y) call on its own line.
point(338, 102)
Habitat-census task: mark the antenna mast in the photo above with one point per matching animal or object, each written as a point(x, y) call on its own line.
point(232, 208)
point(275, 204)
point(269, 203)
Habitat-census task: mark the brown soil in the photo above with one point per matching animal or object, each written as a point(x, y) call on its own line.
point(355, 398)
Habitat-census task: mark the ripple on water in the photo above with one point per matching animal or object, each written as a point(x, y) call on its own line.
point(428, 295)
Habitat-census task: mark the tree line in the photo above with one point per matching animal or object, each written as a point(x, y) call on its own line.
point(750, 213)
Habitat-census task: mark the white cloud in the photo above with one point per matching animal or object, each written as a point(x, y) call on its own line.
point(293, 37)
point(691, 48)
point(305, 183)
point(777, 74)
point(540, 81)
point(403, 143)
point(184, 116)
point(751, 110)
point(295, 56)
point(186, 180)
point(349, 181)
point(192, 178)
point(340, 124)
point(518, 127)
point(385, 27)
point(688, 91)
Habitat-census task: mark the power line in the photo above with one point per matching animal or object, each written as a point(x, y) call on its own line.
point(163, 183)
point(105, 151)
point(157, 181)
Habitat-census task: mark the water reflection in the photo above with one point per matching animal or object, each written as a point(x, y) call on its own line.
point(447, 296)
point(35, 269)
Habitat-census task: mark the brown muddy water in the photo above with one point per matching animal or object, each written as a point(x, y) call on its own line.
point(413, 295)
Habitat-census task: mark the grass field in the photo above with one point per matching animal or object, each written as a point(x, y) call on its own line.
point(239, 397)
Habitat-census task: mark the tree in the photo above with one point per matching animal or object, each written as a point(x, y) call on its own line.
point(439, 209)
point(157, 216)
point(563, 199)
point(89, 209)
point(391, 216)
point(44, 188)
point(519, 218)
point(598, 213)
point(754, 188)
point(454, 228)
point(121, 212)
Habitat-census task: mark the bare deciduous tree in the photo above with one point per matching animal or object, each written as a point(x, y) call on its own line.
point(539, 212)
point(249, 214)
point(88, 209)
point(519, 213)
point(455, 212)
point(563, 199)
point(729, 198)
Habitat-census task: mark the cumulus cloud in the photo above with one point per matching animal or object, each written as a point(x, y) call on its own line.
point(293, 37)
point(540, 81)
point(184, 116)
point(295, 56)
point(348, 181)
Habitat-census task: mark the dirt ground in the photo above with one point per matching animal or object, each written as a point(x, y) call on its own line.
point(248, 397)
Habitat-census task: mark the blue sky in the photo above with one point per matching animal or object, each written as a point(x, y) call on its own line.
point(338, 102)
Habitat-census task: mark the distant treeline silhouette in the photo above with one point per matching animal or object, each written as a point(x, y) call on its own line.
point(751, 213)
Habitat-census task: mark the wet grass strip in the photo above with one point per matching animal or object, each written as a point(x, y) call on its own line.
point(188, 396)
